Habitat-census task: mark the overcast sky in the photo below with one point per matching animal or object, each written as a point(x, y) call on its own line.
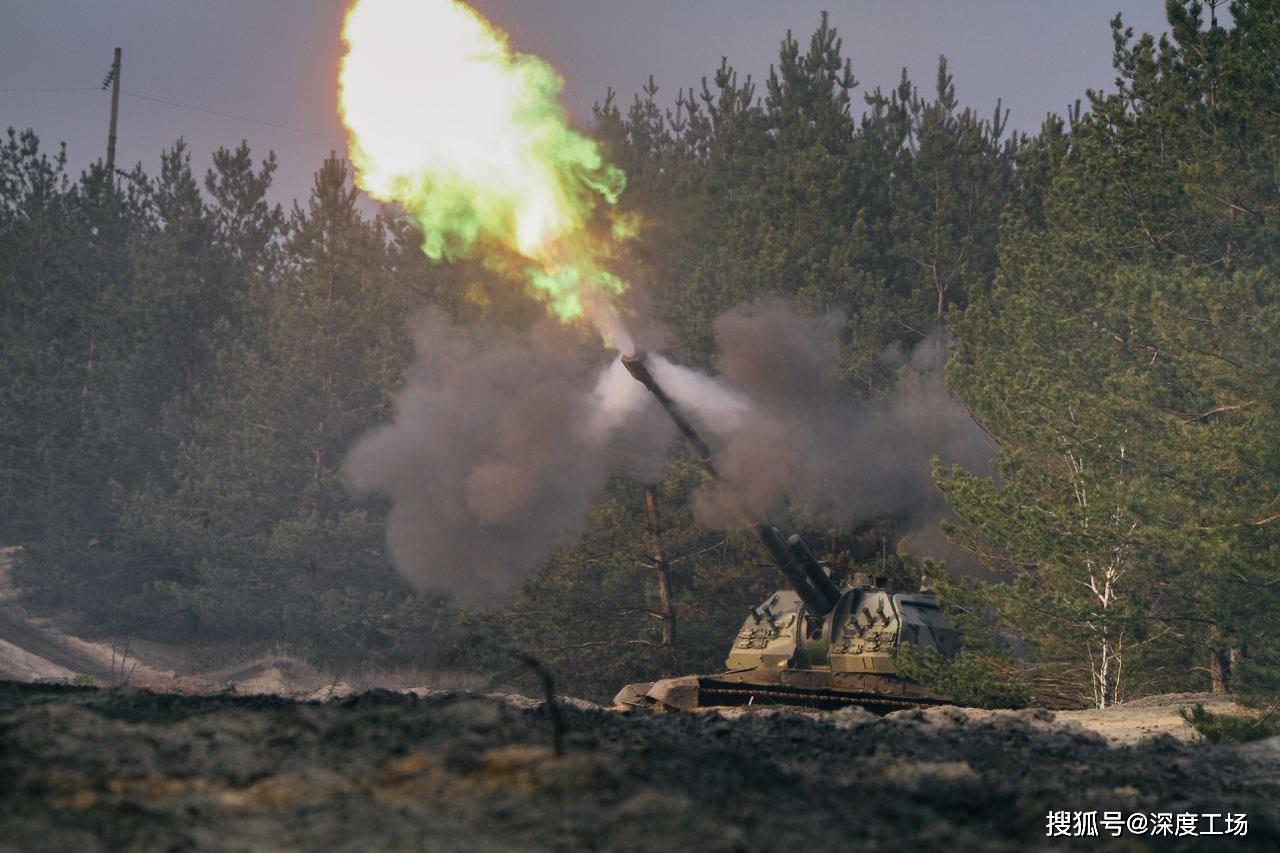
point(276, 60)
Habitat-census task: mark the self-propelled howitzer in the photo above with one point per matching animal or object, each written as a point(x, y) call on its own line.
point(813, 644)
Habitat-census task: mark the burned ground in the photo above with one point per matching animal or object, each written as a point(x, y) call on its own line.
point(92, 769)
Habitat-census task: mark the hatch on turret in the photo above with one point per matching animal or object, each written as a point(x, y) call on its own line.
point(924, 626)
point(768, 638)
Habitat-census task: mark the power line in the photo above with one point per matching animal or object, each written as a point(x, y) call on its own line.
point(235, 116)
point(57, 89)
point(194, 109)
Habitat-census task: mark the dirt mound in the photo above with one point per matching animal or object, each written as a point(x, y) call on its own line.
point(273, 675)
point(91, 769)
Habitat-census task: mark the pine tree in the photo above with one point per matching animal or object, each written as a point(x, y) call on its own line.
point(278, 547)
point(1124, 360)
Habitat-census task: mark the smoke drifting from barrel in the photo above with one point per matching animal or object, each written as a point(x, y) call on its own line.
point(499, 446)
point(807, 440)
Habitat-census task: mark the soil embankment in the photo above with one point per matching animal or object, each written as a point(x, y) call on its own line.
point(88, 769)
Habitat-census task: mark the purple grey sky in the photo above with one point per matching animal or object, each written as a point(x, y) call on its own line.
point(276, 60)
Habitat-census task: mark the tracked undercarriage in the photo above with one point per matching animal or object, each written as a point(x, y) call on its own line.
point(739, 689)
point(813, 645)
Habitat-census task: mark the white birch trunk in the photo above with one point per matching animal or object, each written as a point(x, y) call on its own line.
point(1103, 576)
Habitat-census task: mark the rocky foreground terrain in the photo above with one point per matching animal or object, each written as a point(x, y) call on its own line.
point(85, 769)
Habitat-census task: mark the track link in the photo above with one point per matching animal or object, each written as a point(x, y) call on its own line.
point(729, 693)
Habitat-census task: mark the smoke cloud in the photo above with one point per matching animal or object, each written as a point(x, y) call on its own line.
point(502, 442)
point(499, 445)
point(807, 441)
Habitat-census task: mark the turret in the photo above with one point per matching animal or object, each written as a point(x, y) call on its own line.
point(792, 557)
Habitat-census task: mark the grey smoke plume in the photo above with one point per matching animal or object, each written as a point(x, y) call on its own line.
point(796, 435)
point(500, 444)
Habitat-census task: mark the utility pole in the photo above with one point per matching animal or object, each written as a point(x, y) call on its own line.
point(113, 77)
point(115, 113)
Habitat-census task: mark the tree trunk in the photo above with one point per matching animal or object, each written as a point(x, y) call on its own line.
point(662, 568)
point(1106, 675)
point(88, 371)
point(1220, 669)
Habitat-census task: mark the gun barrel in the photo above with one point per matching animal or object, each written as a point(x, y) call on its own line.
point(636, 364)
point(815, 595)
point(792, 557)
point(816, 575)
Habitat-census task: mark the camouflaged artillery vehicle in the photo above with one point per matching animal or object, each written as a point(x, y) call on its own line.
point(814, 644)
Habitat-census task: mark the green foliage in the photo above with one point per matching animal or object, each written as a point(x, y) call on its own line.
point(1124, 360)
point(257, 509)
point(184, 373)
point(1256, 684)
point(61, 270)
point(1230, 728)
point(992, 669)
point(970, 678)
point(892, 216)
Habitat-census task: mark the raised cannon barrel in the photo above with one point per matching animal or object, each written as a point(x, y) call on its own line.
point(637, 365)
point(792, 557)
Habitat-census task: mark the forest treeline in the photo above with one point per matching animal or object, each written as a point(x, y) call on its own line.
point(184, 365)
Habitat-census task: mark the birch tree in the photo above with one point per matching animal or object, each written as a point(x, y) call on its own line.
point(1124, 359)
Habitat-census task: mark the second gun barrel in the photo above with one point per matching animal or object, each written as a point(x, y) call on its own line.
point(792, 557)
